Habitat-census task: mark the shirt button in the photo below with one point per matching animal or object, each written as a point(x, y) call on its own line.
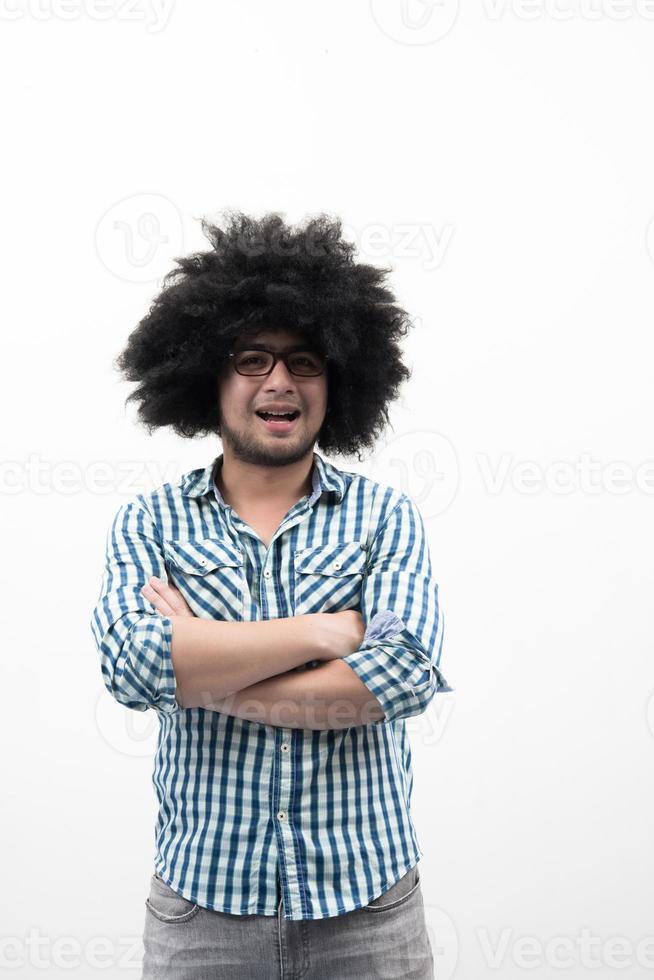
point(267, 573)
point(284, 747)
point(337, 564)
point(281, 815)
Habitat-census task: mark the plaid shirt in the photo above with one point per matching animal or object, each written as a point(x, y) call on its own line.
point(249, 812)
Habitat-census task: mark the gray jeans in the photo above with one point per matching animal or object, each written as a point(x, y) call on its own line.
point(386, 939)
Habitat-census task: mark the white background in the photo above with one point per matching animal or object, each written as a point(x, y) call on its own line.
point(499, 160)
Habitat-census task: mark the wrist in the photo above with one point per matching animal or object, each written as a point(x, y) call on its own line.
point(317, 639)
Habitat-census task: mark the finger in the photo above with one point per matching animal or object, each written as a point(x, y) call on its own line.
point(158, 601)
point(169, 594)
point(164, 588)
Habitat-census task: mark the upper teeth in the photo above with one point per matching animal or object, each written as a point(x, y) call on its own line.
point(278, 413)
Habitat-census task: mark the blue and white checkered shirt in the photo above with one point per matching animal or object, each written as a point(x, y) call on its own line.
point(249, 812)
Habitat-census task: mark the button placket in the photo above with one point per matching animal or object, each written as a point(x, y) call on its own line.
point(285, 832)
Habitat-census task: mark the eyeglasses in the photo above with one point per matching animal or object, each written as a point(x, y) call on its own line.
point(255, 362)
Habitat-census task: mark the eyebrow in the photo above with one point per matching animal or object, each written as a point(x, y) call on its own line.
point(285, 350)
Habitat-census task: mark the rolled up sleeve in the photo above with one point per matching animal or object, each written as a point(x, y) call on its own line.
point(134, 642)
point(399, 657)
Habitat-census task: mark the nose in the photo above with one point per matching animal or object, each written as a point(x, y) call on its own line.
point(280, 375)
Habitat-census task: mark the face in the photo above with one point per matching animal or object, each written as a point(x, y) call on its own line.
point(247, 435)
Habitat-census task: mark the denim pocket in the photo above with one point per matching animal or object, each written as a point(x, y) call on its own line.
point(397, 894)
point(166, 905)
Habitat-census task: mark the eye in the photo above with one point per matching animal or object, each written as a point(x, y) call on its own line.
point(305, 360)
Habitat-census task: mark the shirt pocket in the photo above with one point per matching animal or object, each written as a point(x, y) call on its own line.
point(328, 577)
point(209, 574)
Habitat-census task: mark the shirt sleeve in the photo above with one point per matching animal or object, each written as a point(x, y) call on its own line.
point(399, 657)
point(134, 642)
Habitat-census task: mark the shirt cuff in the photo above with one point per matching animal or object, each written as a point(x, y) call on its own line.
point(401, 677)
point(150, 643)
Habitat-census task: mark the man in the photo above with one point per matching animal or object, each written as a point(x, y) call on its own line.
point(280, 616)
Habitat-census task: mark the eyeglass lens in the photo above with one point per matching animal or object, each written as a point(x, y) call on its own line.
point(306, 363)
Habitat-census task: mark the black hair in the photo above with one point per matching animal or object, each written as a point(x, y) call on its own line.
point(264, 274)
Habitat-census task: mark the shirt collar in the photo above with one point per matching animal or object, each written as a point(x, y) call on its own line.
point(324, 477)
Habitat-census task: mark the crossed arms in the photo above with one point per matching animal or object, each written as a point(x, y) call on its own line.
point(170, 660)
point(329, 696)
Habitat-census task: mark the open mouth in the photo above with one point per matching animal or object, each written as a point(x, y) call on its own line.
point(279, 423)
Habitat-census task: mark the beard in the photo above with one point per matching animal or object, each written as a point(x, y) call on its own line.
point(261, 450)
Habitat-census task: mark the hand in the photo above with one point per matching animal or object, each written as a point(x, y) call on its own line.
point(342, 632)
point(165, 598)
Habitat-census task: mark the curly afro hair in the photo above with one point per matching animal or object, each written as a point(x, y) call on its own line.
point(264, 274)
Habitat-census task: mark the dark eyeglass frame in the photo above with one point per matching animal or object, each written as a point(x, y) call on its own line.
point(279, 355)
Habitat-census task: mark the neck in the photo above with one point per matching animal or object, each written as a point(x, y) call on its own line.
point(254, 486)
